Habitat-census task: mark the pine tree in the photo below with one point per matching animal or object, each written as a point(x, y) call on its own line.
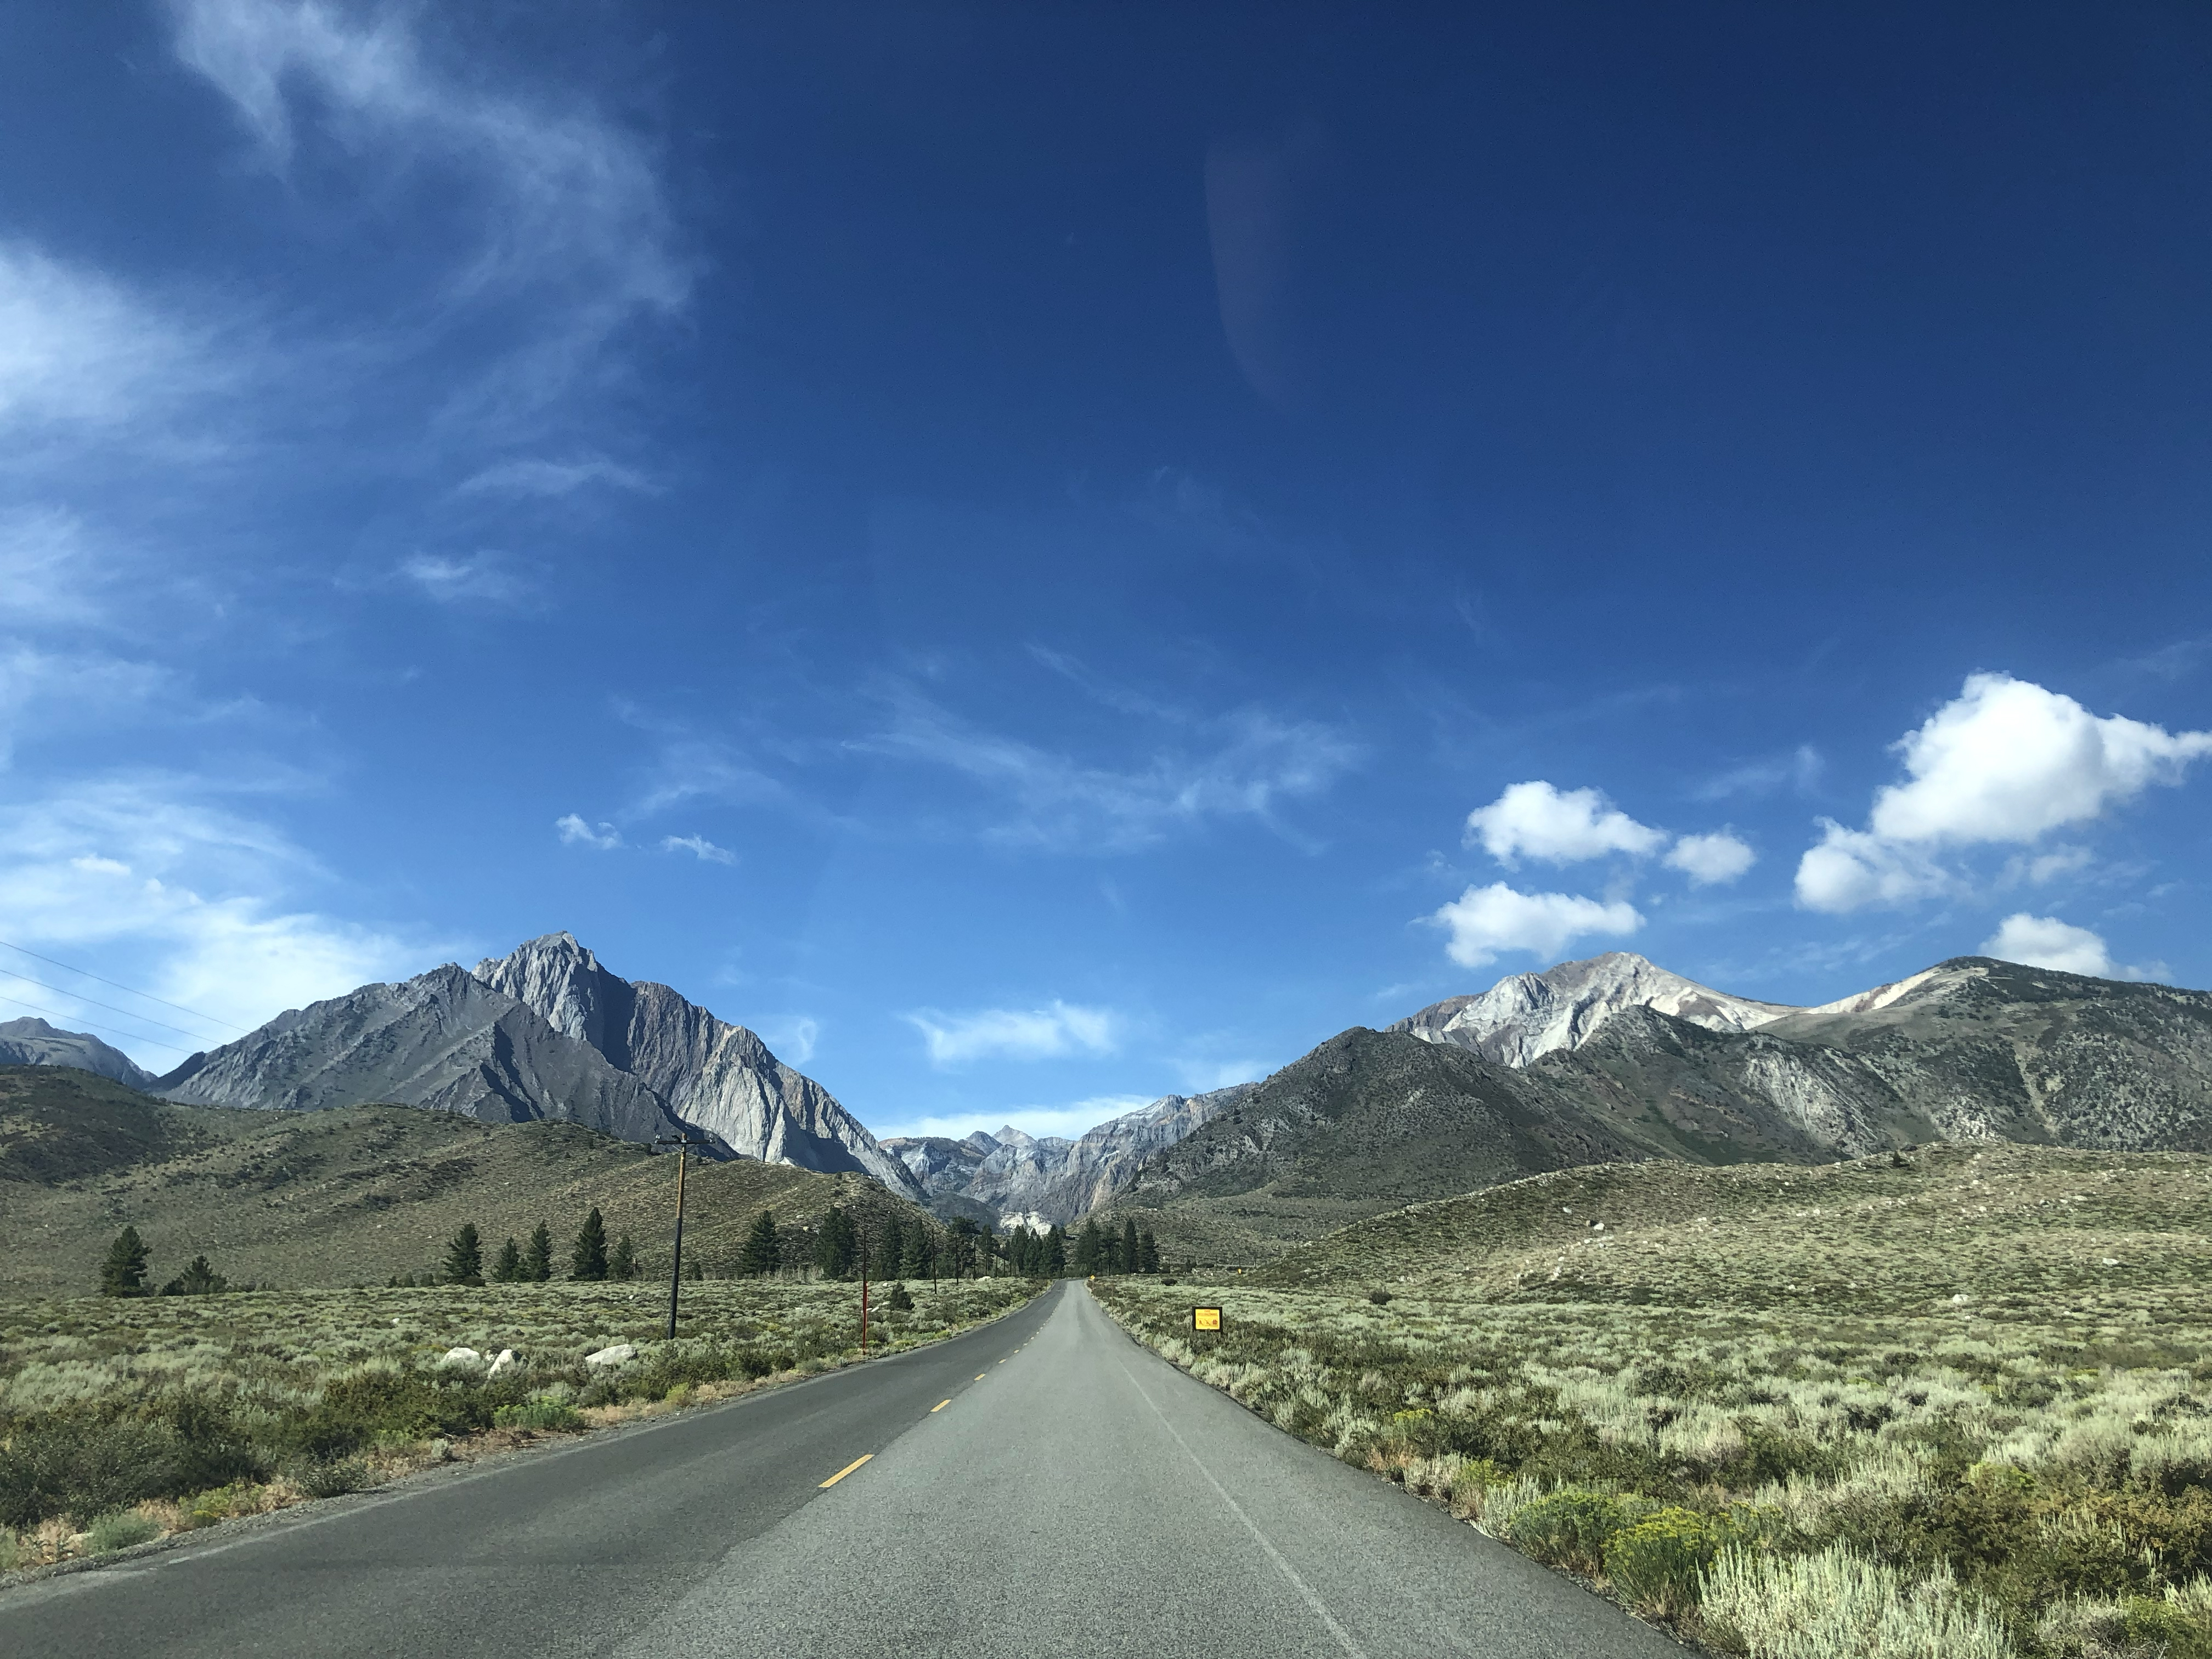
point(886, 1256)
point(509, 1267)
point(587, 1257)
point(1131, 1248)
point(762, 1252)
point(124, 1272)
point(1148, 1253)
point(834, 1246)
point(196, 1280)
point(623, 1263)
point(538, 1259)
point(914, 1261)
point(464, 1257)
point(1055, 1250)
point(1090, 1249)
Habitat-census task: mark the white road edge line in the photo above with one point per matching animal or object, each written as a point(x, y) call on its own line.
point(1312, 1601)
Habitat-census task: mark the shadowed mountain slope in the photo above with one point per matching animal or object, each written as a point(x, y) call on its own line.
point(443, 1040)
point(34, 1043)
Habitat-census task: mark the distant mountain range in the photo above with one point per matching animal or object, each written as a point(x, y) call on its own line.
point(1611, 1059)
point(543, 1033)
point(1973, 1049)
point(1043, 1180)
point(34, 1043)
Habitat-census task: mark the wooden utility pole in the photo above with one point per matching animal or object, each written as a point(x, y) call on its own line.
point(683, 1145)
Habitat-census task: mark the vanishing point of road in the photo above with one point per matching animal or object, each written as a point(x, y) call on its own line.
point(1042, 1486)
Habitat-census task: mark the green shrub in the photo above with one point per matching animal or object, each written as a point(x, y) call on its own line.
point(80, 1467)
point(119, 1532)
point(2180, 1621)
point(1657, 1564)
point(1570, 1528)
point(331, 1478)
point(542, 1413)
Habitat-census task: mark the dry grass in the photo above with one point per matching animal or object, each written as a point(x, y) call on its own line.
point(1963, 1406)
point(308, 1392)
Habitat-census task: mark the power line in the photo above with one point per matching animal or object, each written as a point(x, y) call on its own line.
point(134, 991)
point(129, 1036)
point(128, 1014)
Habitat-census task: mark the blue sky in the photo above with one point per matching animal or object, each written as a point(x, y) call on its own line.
point(1041, 557)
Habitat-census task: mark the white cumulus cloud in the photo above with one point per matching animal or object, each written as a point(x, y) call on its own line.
point(2005, 762)
point(574, 832)
point(1714, 859)
point(1536, 820)
point(2047, 942)
point(1486, 921)
point(1046, 1033)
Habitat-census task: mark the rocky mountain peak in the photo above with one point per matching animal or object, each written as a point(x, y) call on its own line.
point(1526, 1015)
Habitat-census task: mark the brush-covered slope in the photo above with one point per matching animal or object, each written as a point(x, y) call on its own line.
point(1900, 1233)
point(349, 1195)
point(59, 1124)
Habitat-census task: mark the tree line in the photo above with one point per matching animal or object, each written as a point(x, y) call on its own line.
point(845, 1245)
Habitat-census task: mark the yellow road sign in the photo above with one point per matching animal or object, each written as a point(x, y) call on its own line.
point(1206, 1319)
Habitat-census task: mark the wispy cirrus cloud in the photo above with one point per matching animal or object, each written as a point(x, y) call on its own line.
point(577, 831)
point(560, 204)
point(1245, 764)
point(546, 478)
point(170, 887)
point(485, 577)
point(700, 848)
point(1053, 1031)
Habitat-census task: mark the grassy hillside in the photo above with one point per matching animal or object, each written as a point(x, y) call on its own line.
point(1953, 1406)
point(349, 1195)
point(2024, 1229)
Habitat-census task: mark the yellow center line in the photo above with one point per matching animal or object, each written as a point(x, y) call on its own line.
point(979, 1377)
point(848, 1470)
point(939, 1406)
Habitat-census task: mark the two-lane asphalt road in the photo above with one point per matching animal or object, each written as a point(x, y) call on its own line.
point(1042, 1486)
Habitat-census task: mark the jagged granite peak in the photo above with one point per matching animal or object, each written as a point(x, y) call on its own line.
point(32, 1042)
point(718, 1076)
point(1046, 1179)
point(443, 1040)
point(1526, 1015)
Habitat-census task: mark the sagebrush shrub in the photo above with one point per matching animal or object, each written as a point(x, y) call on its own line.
point(119, 1532)
point(1657, 1564)
point(542, 1413)
point(1570, 1528)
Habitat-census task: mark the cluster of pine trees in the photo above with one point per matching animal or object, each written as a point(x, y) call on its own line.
point(124, 1271)
point(590, 1259)
point(1129, 1251)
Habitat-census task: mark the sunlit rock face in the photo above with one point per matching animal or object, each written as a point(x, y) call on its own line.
point(715, 1077)
point(1526, 1015)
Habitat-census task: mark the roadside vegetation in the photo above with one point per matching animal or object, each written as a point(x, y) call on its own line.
point(1954, 1403)
point(124, 1417)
